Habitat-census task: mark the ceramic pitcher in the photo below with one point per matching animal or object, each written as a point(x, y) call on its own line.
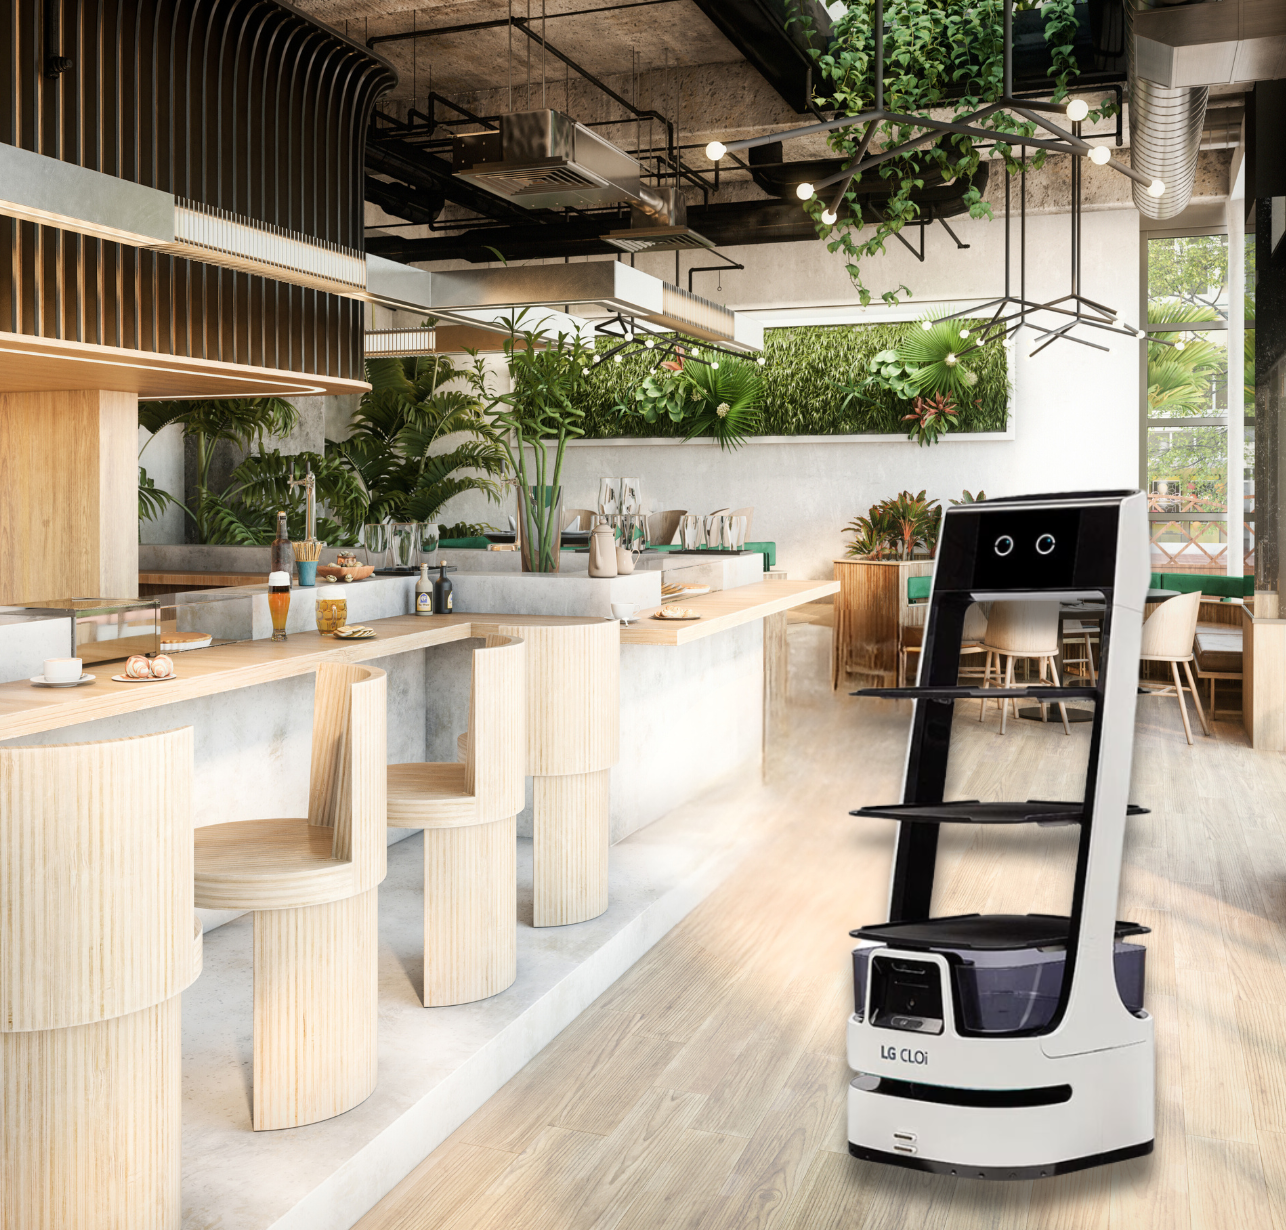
point(602, 551)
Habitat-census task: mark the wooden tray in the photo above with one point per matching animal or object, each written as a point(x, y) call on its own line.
point(360, 573)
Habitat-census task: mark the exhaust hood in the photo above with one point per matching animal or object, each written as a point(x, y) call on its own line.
point(544, 160)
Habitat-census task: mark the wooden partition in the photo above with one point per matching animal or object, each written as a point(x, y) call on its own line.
point(1264, 681)
point(870, 602)
point(68, 496)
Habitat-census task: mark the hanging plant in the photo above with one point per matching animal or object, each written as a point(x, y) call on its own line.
point(938, 55)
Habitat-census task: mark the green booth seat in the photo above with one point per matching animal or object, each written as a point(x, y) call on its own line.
point(465, 544)
point(918, 589)
point(1210, 586)
point(767, 549)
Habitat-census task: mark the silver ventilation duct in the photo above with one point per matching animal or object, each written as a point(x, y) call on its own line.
point(1165, 130)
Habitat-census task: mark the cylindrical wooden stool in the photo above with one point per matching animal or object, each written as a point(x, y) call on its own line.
point(573, 740)
point(96, 945)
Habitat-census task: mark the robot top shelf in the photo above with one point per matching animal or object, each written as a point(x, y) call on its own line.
point(972, 811)
point(1042, 693)
point(982, 932)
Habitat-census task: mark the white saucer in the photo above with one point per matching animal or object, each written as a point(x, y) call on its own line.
point(149, 679)
point(41, 682)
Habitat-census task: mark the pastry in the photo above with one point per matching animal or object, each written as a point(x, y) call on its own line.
point(162, 666)
point(138, 667)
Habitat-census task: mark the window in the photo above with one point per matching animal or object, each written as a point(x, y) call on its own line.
point(1189, 400)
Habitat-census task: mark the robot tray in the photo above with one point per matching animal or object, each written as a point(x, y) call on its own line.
point(981, 932)
point(973, 811)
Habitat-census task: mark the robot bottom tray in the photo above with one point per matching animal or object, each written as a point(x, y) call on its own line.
point(982, 932)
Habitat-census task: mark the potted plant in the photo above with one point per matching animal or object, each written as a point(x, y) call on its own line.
point(546, 377)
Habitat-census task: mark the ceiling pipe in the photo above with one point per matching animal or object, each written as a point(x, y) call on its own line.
point(1165, 131)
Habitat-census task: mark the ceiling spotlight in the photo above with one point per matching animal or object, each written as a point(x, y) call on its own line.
point(1077, 109)
point(951, 359)
point(648, 342)
point(830, 217)
point(716, 150)
point(1156, 188)
point(1100, 155)
point(804, 192)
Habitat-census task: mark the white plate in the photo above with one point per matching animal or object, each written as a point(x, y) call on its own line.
point(127, 679)
point(183, 646)
point(41, 682)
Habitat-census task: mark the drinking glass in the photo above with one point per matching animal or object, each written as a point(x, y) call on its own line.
point(429, 542)
point(279, 608)
point(332, 613)
point(716, 528)
point(738, 531)
point(405, 536)
point(690, 532)
point(375, 541)
point(631, 495)
point(609, 499)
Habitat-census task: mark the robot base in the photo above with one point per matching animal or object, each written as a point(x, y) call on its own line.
point(999, 1172)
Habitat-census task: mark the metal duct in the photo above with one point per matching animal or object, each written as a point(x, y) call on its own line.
point(1165, 131)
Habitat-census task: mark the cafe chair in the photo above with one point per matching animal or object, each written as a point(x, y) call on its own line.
point(1168, 634)
point(663, 526)
point(98, 940)
point(749, 514)
point(1021, 631)
point(578, 519)
point(313, 884)
point(468, 811)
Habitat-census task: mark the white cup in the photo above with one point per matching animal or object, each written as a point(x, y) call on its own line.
point(624, 611)
point(62, 670)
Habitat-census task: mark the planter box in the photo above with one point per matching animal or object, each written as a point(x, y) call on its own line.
point(870, 608)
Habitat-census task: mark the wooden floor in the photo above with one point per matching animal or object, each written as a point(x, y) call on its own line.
point(705, 1090)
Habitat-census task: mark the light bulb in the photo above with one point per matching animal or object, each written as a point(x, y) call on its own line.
point(715, 364)
point(1180, 345)
point(804, 192)
point(584, 371)
point(1100, 155)
point(951, 360)
point(964, 333)
point(716, 150)
point(1077, 109)
point(629, 337)
point(1156, 188)
point(597, 359)
point(616, 358)
point(926, 325)
point(829, 217)
point(761, 360)
point(648, 342)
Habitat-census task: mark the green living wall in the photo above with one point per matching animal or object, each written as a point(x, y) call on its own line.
point(804, 394)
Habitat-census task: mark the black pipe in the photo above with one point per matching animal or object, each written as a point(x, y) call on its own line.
point(500, 23)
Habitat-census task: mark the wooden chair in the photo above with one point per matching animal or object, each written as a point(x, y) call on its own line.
point(749, 514)
point(97, 941)
point(1167, 637)
point(1081, 635)
point(468, 811)
point(313, 886)
point(662, 526)
point(911, 639)
point(1018, 631)
point(578, 519)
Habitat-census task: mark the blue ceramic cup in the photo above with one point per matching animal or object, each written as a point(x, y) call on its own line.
point(307, 572)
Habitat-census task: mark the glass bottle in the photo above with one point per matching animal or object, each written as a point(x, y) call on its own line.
point(442, 592)
point(283, 558)
point(424, 592)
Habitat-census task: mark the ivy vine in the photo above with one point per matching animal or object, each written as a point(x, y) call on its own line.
point(939, 55)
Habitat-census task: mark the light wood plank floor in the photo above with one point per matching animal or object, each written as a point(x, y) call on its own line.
point(705, 1090)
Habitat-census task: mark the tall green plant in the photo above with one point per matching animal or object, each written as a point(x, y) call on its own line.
point(397, 448)
point(547, 375)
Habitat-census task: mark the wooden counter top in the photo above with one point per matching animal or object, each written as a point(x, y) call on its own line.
point(724, 609)
point(27, 710)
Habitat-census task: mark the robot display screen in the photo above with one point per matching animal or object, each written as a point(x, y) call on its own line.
point(1027, 550)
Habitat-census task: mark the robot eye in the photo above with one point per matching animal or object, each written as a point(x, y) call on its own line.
point(1004, 544)
point(1045, 544)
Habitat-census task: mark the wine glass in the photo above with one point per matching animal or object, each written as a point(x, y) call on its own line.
point(375, 540)
point(609, 498)
point(631, 495)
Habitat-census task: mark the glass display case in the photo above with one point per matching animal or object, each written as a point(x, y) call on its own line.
point(110, 629)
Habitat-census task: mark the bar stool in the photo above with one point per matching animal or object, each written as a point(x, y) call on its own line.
point(573, 739)
point(468, 811)
point(96, 945)
point(313, 886)
point(1018, 630)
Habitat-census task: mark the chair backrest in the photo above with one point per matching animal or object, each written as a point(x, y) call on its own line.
point(975, 624)
point(577, 519)
point(348, 785)
point(749, 514)
point(918, 589)
point(662, 526)
point(1168, 631)
point(496, 751)
point(1023, 628)
point(96, 888)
